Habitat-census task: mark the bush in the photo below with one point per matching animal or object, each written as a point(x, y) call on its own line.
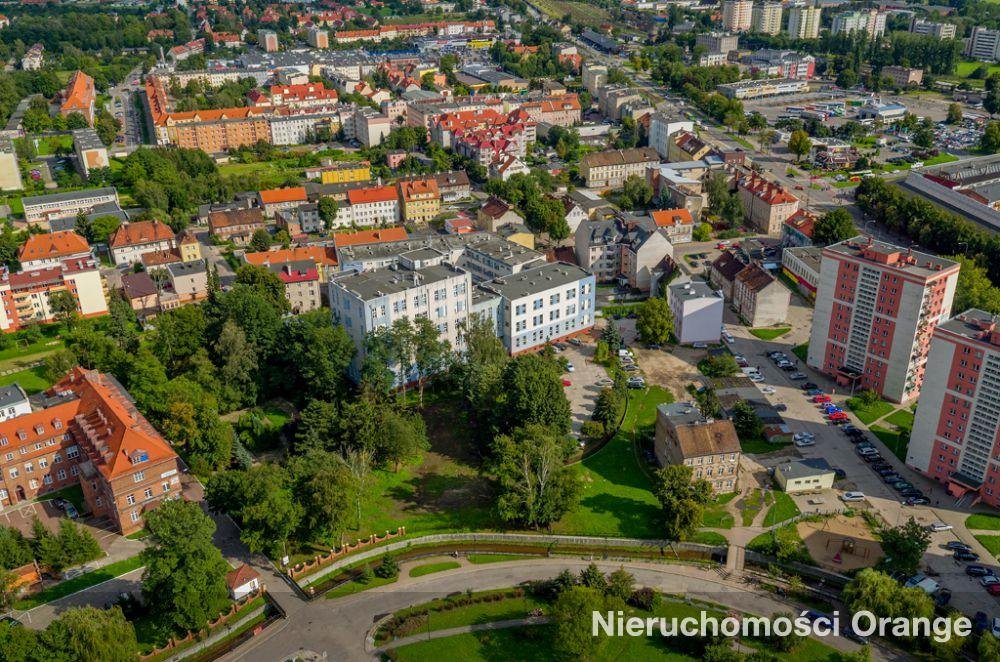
point(644, 598)
point(592, 430)
point(388, 568)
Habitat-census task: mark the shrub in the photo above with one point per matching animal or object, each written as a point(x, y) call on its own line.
point(644, 598)
point(388, 568)
point(592, 430)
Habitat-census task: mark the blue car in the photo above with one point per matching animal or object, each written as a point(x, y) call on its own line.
point(814, 391)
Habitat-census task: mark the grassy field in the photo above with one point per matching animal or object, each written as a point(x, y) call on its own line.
point(715, 515)
point(616, 499)
point(752, 505)
point(901, 418)
point(76, 584)
point(760, 446)
point(983, 521)
point(892, 439)
point(991, 543)
point(352, 587)
point(482, 559)
point(783, 509)
point(32, 380)
point(580, 12)
point(770, 334)
point(801, 351)
point(73, 493)
point(47, 145)
point(965, 69)
point(480, 612)
point(709, 538)
point(943, 157)
point(870, 413)
point(431, 568)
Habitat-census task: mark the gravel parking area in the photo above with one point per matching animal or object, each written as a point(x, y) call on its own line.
point(583, 389)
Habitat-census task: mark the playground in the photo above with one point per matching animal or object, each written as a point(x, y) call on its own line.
point(840, 543)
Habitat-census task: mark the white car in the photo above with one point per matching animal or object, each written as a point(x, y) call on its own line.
point(756, 377)
point(937, 527)
point(728, 337)
point(570, 367)
point(805, 442)
point(989, 580)
point(767, 390)
point(803, 435)
point(852, 496)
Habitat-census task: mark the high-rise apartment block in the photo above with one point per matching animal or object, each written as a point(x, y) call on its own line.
point(955, 433)
point(869, 21)
point(766, 18)
point(803, 22)
point(876, 307)
point(737, 15)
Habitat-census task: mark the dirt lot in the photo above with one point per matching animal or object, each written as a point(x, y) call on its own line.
point(835, 536)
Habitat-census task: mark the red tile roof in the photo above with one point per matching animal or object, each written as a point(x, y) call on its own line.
point(53, 245)
point(318, 254)
point(410, 189)
point(360, 196)
point(384, 235)
point(142, 232)
point(671, 217)
point(80, 93)
point(241, 576)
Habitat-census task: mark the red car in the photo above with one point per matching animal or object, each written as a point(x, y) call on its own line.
point(993, 589)
point(838, 416)
point(567, 382)
point(822, 398)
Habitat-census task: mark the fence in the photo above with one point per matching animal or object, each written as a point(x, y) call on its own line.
point(322, 560)
point(551, 544)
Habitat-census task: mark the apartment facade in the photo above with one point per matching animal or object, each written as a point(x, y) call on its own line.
point(697, 310)
point(79, 97)
point(876, 307)
point(869, 21)
point(984, 44)
point(91, 153)
point(302, 286)
point(804, 22)
point(237, 225)
point(956, 432)
point(933, 29)
point(41, 208)
point(710, 447)
point(766, 18)
point(421, 199)
point(378, 205)
point(610, 169)
point(25, 295)
point(759, 299)
point(737, 15)
point(132, 240)
point(91, 435)
point(766, 204)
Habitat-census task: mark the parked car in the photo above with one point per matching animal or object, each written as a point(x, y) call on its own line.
point(781, 406)
point(939, 526)
point(989, 580)
point(902, 486)
point(71, 511)
point(852, 496)
point(917, 501)
point(839, 416)
point(575, 342)
point(956, 545)
point(741, 360)
point(805, 442)
point(871, 458)
point(891, 478)
point(993, 590)
point(808, 386)
point(964, 555)
point(570, 367)
point(636, 382)
point(980, 622)
point(839, 473)
point(796, 376)
point(767, 390)
point(567, 382)
point(803, 435)
point(813, 392)
point(821, 398)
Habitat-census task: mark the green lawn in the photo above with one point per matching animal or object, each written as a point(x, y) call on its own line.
point(583, 13)
point(770, 333)
point(751, 506)
point(709, 538)
point(784, 508)
point(440, 618)
point(48, 145)
point(481, 559)
point(892, 439)
point(431, 568)
point(87, 580)
point(785, 539)
point(715, 515)
point(943, 157)
point(801, 351)
point(150, 636)
point(354, 586)
point(616, 499)
point(901, 418)
point(965, 69)
point(983, 521)
point(991, 543)
point(869, 414)
point(73, 493)
point(32, 380)
point(759, 446)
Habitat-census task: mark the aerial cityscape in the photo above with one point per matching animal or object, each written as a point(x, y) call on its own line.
point(492, 330)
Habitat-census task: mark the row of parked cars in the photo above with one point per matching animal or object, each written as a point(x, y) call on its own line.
point(867, 451)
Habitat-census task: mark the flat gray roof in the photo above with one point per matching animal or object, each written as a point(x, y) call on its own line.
point(973, 324)
point(506, 251)
point(12, 394)
point(87, 139)
point(694, 289)
point(186, 268)
point(538, 279)
point(805, 468)
point(68, 196)
point(812, 256)
point(910, 261)
point(367, 285)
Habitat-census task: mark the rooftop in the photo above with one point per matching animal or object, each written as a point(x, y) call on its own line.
point(367, 285)
point(697, 289)
point(805, 468)
point(711, 437)
point(70, 196)
point(140, 232)
point(52, 245)
point(811, 256)
point(87, 139)
point(868, 249)
point(538, 279)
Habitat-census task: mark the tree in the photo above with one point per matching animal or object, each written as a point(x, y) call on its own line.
point(260, 240)
point(746, 421)
point(681, 500)
point(923, 136)
point(185, 577)
point(723, 365)
point(954, 113)
point(532, 392)
point(609, 408)
point(430, 351)
point(799, 144)
point(327, 211)
point(877, 592)
point(90, 635)
point(620, 584)
point(19, 644)
point(63, 305)
point(536, 488)
point(904, 546)
point(239, 365)
point(611, 337)
point(572, 618)
point(702, 232)
point(654, 321)
point(847, 79)
point(102, 227)
point(15, 550)
point(326, 489)
point(266, 283)
point(988, 649)
point(592, 577)
point(990, 140)
point(974, 288)
point(636, 193)
point(833, 227)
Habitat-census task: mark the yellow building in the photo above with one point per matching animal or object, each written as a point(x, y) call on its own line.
point(421, 200)
point(188, 247)
point(346, 173)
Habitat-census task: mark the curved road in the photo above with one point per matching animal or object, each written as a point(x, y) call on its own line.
point(338, 627)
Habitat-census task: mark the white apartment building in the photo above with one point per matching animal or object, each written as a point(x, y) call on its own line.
point(377, 205)
point(421, 284)
point(984, 44)
point(766, 18)
point(497, 258)
point(870, 21)
point(933, 29)
point(41, 208)
point(543, 304)
point(594, 77)
point(662, 128)
point(697, 310)
point(296, 129)
point(737, 15)
point(13, 402)
point(803, 22)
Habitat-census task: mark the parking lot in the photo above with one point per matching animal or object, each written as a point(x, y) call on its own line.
point(583, 387)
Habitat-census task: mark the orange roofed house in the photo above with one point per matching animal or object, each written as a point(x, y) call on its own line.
point(765, 204)
point(89, 434)
point(236, 225)
point(279, 199)
point(677, 223)
point(375, 205)
point(421, 199)
point(53, 262)
point(79, 97)
point(133, 240)
point(324, 258)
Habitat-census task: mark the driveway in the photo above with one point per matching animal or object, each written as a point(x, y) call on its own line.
point(583, 389)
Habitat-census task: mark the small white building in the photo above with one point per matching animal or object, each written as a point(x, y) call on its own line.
point(13, 402)
point(697, 310)
point(242, 581)
point(804, 476)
